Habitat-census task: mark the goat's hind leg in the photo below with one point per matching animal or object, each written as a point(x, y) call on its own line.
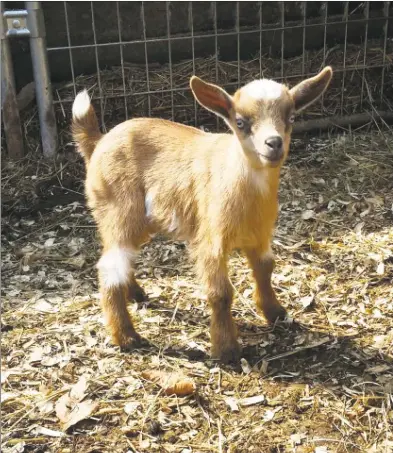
point(115, 269)
point(135, 291)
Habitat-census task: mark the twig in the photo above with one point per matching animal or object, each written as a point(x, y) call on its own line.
point(296, 351)
point(341, 121)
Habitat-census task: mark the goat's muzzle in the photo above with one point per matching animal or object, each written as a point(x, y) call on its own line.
point(273, 150)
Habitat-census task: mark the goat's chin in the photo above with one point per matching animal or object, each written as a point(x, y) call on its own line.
point(259, 162)
point(264, 162)
point(272, 164)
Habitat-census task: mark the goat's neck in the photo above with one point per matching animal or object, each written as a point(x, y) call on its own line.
point(265, 180)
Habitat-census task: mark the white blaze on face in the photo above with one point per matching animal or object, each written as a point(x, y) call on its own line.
point(115, 266)
point(256, 141)
point(263, 89)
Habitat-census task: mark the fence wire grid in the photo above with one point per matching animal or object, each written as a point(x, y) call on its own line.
point(136, 58)
point(131, 89)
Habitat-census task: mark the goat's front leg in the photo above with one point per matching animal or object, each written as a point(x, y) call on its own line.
point(223, 332)
point(262, 265)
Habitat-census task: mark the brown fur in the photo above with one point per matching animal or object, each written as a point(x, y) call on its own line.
point(221, 195)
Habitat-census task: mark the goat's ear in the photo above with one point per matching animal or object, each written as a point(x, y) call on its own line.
point(211, 97)
point(308, 91)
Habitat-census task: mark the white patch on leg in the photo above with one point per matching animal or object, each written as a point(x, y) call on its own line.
point(115, 266)
point(263, 89)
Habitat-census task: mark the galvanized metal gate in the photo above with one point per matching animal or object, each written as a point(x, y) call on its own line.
point(27, 23)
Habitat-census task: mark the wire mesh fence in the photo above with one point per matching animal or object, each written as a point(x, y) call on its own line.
point(136, 58)
point(231, 55)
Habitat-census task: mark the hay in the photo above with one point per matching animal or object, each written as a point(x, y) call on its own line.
point(226, 74)
point(322, 384)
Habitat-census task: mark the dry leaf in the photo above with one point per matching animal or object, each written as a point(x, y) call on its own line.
point(378, 369)
point(232, 404)
point(45, 407)
point(172, 384)
point(155, 291)
point(296, 439)
point(44, 306)
point(154, 319)
point(49, 242)
point(321, 449)
point(245, 366)
point(131, 407)
point(247, 293)
point(381, 268)
point(358, 227)
point(41, 430)
point(270, 413)
point(5, 396)
point(307, 301)
point(194, 345)
point(70, 409)
point(54, 360)
point(36, 355)
point(308, 214)
point(76, 261)
point(145, 443)
point(250, 401)
point(78, 391)
point(18, 448)
point(70, 415)
point(190, 414)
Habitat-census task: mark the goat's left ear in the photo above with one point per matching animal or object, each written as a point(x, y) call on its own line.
point(212, 97)
point(308, 91)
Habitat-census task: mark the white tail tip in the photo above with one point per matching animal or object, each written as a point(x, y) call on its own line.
point(81, 105)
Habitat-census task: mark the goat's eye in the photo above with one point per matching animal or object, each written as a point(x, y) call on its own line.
point(240, 123)
point(292, 119)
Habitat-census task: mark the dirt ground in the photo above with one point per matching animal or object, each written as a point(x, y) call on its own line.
point(321, 383)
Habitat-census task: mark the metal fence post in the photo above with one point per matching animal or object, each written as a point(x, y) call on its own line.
point(11, 120)
point(36, 26)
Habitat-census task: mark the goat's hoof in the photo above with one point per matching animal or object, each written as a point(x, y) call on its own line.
point(227, 355)
point(134, 344)
point(135, 292)
point(274, 313)
point(128, 342)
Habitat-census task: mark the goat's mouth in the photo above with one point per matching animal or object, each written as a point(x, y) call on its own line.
point(274, 161)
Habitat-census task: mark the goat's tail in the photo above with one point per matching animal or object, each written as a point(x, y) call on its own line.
point(85, 129)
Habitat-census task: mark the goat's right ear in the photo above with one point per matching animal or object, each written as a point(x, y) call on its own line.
point(211, 97)
point(308, 91)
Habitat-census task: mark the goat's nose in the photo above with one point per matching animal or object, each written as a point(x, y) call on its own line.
point(274, 143)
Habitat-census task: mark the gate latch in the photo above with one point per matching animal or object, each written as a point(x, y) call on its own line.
point(16, 23)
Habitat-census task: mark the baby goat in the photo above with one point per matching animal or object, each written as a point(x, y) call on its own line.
point(218, 191)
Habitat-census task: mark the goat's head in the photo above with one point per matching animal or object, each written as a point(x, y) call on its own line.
point(261, 113)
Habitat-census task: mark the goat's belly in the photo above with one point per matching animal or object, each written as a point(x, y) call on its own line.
point(171, 226)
